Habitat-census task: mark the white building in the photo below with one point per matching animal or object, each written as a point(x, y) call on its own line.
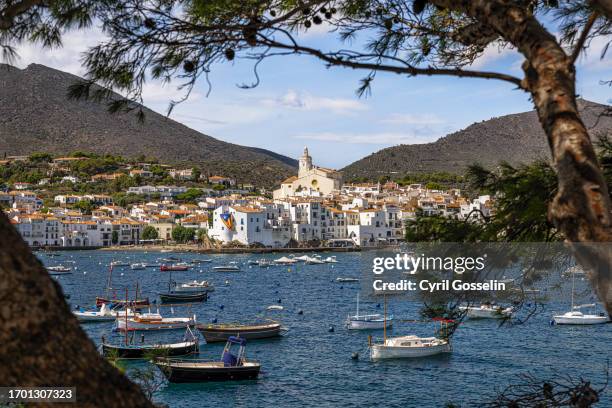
point(251, 225)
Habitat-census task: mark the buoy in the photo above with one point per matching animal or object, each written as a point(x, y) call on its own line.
point(279, 300)
point(227, 282)
point(341, 287)
point(378, 306)
point(552, 322)
point(121, 273)
point(331, 329)
point(221, 307)
point(214, 320)
point(355, 356)
point(85, 273)
point(300, 312)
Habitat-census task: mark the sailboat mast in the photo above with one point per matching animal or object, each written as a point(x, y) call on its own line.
point(126, 316)
point(357, 305)
point(385, 320)
point(573, 286)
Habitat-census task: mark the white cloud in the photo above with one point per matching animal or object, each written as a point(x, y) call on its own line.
point(307, 101)
point(156, 91)
point(492, 53)
point(385, 138)
point(412, 119)
point(66, 58)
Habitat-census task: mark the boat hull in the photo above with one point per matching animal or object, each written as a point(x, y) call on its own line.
point(214, 333)
point(90, 318)
point(587, 320)
point(183, 297)
point(177, 374)
point(380, 352)
point(365, 325)
point(178, 349)
point(478, 313)
point(136, 304)
point(152, 326)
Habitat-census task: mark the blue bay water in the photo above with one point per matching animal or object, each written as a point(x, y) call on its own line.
point(312, 366)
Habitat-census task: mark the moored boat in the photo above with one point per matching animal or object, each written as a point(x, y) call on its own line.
point(368, 321)
point(195, 286)
point(119, 263)
point(174, 268)
point(409, 347)
point(222, 331)
point(141, 350)
point(231, 367)
point(285, 261)
point(230, 267)
point(347, 280)
point(579, 318)
point(175, 296)
point(105, 314)
point(487, 311)
point(138, 266)
point(59, 270)
point(154, 321)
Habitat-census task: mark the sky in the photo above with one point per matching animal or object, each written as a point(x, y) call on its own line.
point(299, 102)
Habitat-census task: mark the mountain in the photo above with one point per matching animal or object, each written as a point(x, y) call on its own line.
point(36, 116)
point(516, 138)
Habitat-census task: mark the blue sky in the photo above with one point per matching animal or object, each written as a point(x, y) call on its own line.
point(301, 103)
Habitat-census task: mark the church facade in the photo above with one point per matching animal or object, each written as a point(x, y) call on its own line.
point(311, 181)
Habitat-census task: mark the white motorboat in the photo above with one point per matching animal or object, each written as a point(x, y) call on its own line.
point(347, 280)
point(138, 266)
point(58, 270)
point(368, 321)
point(199, 261)
point(195, 286)
point(331, 259)
point(575, 316)
point(302, 258)
point(315, 260)
point(487, 311)
point(285, 261)
point(104, 314)
point(230, 267)
point(275, 307)
point(153, 321)
point(119, 263)
point(264, 263)
point(409, 347)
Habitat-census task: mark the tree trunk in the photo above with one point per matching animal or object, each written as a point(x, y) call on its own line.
point(581, 209)
point(42, 343)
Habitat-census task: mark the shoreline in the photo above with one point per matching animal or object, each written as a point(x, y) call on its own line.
point(196, 249)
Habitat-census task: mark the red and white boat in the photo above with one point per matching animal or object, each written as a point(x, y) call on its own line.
point(154, 321)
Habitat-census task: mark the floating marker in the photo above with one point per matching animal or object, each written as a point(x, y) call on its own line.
point(300, 312)
point(331, 329)
point(355, 356)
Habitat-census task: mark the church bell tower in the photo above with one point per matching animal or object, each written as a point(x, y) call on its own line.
point(305, 163)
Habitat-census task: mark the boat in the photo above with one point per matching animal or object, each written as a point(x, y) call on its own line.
point(173, 268)
point(142, 350)
point(174, 296)
point(136, 303)
point(409, 347)
point(199, 261)
point(230, 267)
point(169, 259)
point(154, 321)
point(368, 321)
point(275, 307)
point(347, 280)
point(264, 263)
point(285, 261)
point(231, 367)
point(138, 266)
point(315, 260)
point(253, 262)
point(331, 259)
point(194, 286)
point(105, 314)
point(487, 311)
point(119, 263)
point(575, 316)
point(59, 270)
point(222, 331)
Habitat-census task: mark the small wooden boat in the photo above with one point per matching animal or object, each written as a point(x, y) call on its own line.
point(223, 331)
point(131, 349)
point(231, 267)
point(173, 268)
point(154, 321)
point(231, 367)
point(175, 296)
point(136, 304)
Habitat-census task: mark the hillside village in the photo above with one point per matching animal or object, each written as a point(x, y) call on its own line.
point(93, 201)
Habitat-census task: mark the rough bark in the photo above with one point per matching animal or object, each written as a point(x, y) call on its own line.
point(581, 209)
point(41, 343)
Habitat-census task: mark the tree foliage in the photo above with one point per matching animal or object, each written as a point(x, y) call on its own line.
point(149, 233)
point(182, 234)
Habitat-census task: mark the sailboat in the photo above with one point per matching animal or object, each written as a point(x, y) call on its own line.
point(410, 346)
point(368, 321)
point(575, 316)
